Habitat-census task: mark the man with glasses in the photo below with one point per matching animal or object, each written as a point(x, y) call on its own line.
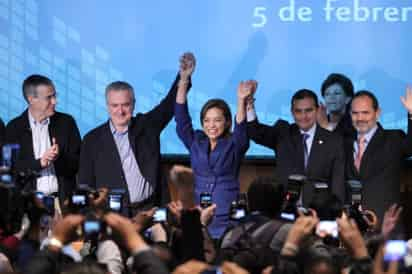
point(49, 140)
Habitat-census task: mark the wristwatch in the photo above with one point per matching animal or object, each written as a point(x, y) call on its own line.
point(55, 243)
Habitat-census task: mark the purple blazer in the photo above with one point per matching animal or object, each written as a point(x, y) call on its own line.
point(216, 172)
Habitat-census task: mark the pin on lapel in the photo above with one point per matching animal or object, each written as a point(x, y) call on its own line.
point(320, 142)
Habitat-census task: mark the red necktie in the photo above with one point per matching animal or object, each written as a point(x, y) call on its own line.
point(361, 149)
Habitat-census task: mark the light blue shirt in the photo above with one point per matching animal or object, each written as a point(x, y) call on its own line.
point(309, 140)
point(139, 188)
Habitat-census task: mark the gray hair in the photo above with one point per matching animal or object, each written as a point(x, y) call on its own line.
point(119, 86)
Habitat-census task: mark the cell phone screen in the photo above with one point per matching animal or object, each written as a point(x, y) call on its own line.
point(91, 227)
point(115, 202)
point(79, 199)
point(239, 213)
point(394, 250)
point(205, 200)
point(287, 216)
point(40, 195)
point(327, 228)
point(160, 215)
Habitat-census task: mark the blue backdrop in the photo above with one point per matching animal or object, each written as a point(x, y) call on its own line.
point(284, 44)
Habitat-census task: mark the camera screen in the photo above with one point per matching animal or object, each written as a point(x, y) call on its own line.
point(239, 213)
point(160, 215)
point(287, 216)
point(206, 198)
point(79, 199)
point(327, 228)
point(115, 202)
point(6, 178)
point(91, 226)
point(40, 195)
point(394, 250)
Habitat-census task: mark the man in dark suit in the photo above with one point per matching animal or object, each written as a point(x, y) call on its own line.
point(374, 156)
point(303, 147)
point(49, 140)
point(124, 152)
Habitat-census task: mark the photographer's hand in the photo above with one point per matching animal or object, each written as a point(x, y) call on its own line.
point(132, 240)
point(65, 228)
point(303, 227)
point(143, 219)
point(100, 200)
point(206, 214)
point(351, 237)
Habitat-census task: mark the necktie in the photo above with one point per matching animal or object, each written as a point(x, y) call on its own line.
point(361, 149)
point(305, 137)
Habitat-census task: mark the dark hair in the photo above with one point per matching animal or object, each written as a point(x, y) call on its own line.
point(327, 206)
point(302, 94)
point(32, 82)
point(340, 79)
point(370, 95)
point(265, 194)
point(223, 106)
point(86, 266)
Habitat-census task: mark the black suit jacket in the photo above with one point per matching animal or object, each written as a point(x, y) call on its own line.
point(380, 167)
point(325, 162)
point(100, 164)
point(345, 127)
point(2, 133)
point(64, 129)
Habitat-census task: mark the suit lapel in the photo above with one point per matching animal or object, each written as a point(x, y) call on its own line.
point(53, 130)
point(297, 143)
point(316, 147)
point(27, 133)
point(135, 129)
point(111, 148)
point(349, 152)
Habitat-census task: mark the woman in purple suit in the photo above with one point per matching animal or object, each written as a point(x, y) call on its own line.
point(215, 151)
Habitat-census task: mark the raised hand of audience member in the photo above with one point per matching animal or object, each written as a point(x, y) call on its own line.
point(352, 237)
point(175, 208)
point(191, 267)
point(378, 266)
point(390, 219)
point(206, 214)
point(232, 268)
point(24, 227)
point(182, 178)
point(303, 226)
point(159, 234)
point(131, 239)
point(143, 219)
point(101, 199)
point(64, 230)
